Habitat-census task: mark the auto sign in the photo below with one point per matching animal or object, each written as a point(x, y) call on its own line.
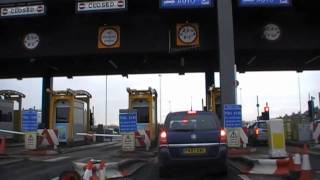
point(33, 10)
point(98, 6)
point(176, 4)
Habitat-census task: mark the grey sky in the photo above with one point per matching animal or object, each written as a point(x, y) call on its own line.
point(279, 89)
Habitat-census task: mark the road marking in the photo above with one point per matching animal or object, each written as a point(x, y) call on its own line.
point(244, 177)
point(56, 178)
point(85, 159)
point(56, 159)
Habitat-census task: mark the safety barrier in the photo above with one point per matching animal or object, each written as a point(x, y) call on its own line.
point(143, 139)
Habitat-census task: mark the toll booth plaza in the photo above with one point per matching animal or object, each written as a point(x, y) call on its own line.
point(67, 38)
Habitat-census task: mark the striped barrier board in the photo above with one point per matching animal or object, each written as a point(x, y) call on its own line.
point(316, 132)
point(278, 167)
point(49, 137)
point(143, 138)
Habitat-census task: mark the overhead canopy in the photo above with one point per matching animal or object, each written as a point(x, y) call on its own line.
point(75, 93)
point(9, 94)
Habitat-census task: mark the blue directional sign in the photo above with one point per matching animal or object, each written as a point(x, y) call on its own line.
point(261, 3)
point(176, 4)
point(128, 121)
point(29, 120)
point(232, 116)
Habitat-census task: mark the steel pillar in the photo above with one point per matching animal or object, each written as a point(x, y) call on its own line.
point(209, 78)
point(47, 83)
point(226, 53)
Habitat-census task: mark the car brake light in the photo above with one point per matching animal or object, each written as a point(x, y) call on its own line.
point(192, 112)
point(185, 121)
point(257, 131)
point(163, 137)
point(223, 136)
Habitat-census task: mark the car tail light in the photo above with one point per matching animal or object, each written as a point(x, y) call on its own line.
point(185, 121)
point(223, 136)
point(163, 137)
point(192, 112)
point(257, 131)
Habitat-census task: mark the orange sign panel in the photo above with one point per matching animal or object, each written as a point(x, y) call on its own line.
point(109, 37)
point(187, 34)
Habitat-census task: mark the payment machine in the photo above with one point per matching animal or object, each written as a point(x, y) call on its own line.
point(69, 114)
point(145, 102)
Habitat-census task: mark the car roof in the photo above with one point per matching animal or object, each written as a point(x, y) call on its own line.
point(216, 118)
point(197, 112)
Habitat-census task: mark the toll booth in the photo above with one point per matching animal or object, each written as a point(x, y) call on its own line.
point(145, 102)
point(10, 118)
point(214, 100)
point(69, 114)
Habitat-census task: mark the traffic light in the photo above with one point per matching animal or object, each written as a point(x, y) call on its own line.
point(265, 114)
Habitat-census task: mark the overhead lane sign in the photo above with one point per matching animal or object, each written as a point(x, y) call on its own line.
point(23, 11)
point(176, 4)
point(262, 3)
point(101, 6)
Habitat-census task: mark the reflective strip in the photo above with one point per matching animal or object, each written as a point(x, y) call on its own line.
point(194, 144)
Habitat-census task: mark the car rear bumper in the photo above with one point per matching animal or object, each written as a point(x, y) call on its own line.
point(165, 158)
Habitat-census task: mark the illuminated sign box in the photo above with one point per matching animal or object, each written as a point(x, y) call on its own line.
point(177, 4)
point(22, 11)
point(264, 3)
point(100, 6)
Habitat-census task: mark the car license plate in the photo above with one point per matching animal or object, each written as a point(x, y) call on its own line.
point(194, 150)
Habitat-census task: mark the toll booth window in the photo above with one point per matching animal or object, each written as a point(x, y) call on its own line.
point(142, 114)
point(62, 114)
point(5, 117)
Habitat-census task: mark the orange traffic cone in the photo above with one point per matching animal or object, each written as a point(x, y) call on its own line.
point(102, 170)
point(88, 173)
point(2, 145)
point(306, 173)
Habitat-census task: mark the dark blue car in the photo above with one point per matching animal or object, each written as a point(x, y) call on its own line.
point(192, 139)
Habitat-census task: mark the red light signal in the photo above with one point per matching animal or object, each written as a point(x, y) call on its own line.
point(266, 109)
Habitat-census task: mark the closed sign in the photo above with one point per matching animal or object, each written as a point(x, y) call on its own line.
point(107, 5)
point(23, 11)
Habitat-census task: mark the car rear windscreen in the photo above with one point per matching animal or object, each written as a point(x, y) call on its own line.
point(262, 125)
point(191, 122)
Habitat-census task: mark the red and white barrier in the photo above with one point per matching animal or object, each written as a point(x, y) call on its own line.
point(316, 132)
point(49, 137)
point(143, 138)
point(102, 170)
point(270, 167)
point(244, 136)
